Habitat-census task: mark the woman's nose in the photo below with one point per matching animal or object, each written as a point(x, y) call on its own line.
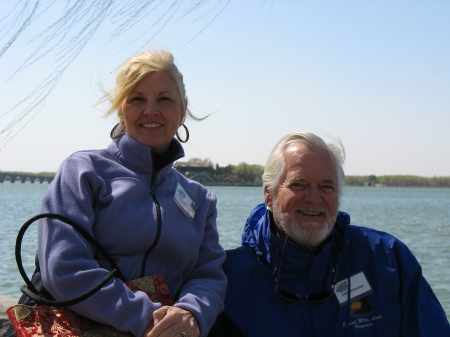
point(151, 108)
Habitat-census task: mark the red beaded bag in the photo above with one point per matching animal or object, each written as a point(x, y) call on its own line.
point(52, 318)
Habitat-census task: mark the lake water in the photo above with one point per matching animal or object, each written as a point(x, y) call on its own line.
point(420, 217)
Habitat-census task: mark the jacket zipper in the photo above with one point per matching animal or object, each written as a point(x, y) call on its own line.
point(158, 225)
point(311, 305)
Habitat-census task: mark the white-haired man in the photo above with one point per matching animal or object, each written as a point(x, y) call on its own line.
point(303, 270)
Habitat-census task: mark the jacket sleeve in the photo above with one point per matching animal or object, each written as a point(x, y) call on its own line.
point(67, 261)
point(422, 314)
point(203, 292)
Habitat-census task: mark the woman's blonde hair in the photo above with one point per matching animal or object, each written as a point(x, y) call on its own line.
point(135, 69)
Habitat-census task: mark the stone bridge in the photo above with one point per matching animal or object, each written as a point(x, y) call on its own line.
point(23, 177)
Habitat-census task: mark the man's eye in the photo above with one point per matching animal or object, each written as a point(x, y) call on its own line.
point(297, 185)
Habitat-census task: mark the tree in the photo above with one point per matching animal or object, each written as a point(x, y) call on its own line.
point(250, 174)
point(62, 29)
point(355, 180)
point(205, 161)
point(224, 174)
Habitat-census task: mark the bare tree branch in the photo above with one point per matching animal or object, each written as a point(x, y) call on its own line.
point(68, 32)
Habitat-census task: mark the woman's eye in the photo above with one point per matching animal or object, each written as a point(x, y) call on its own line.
point(136, 99)
point(165, 99)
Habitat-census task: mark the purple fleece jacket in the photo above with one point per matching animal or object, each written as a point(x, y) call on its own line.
point(113, 193)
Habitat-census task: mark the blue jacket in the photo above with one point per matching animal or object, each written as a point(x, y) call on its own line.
point(395, 299)
point(126, 202)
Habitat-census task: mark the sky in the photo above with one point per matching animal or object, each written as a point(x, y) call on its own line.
point(374, 74)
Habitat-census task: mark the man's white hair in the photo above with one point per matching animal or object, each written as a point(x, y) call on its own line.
point(276, 163)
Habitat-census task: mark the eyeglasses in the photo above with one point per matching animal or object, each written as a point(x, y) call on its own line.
point(314, 297)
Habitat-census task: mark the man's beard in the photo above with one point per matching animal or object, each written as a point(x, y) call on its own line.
point(310, 234)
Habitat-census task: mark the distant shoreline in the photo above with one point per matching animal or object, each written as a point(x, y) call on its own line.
point(226, 180)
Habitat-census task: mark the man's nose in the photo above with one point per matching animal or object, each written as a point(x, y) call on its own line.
point(313, 194)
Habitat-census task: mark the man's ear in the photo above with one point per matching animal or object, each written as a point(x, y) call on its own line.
point(268, 198)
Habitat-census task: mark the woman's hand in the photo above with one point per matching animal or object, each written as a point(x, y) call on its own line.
point(173, 322)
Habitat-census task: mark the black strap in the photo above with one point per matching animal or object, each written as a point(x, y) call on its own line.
point(29, 289)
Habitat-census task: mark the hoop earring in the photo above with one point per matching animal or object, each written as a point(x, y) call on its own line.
point(113, 134)
point(187, 134)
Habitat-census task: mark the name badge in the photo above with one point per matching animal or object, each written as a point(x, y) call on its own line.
point(359, 288)
point(185, 203)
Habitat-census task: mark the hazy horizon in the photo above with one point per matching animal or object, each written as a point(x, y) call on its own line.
point(374, 74)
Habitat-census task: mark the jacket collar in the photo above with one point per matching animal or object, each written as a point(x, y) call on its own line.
point(257, 234)
point(140, 158)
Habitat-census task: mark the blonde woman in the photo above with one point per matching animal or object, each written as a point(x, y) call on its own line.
point(149, 217)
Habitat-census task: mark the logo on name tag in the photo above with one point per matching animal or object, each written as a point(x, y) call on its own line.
point(358, 286)
point(186, 204)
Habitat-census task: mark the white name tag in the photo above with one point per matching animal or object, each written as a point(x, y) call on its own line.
point(185, 202)
point(359, 288)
